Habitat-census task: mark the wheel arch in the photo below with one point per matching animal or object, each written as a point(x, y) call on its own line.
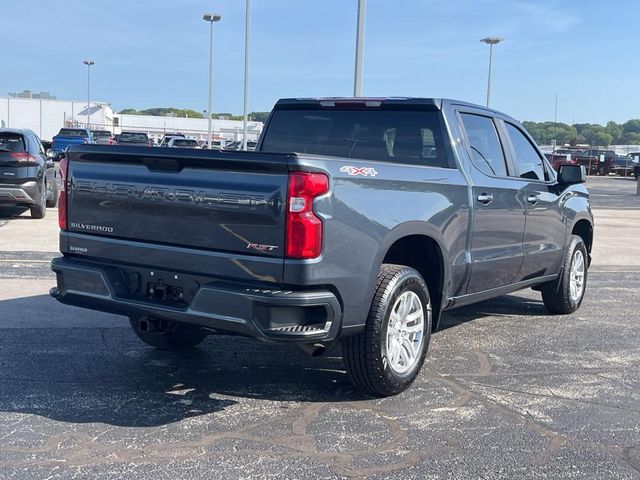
point(583, 228)
point(421, 249)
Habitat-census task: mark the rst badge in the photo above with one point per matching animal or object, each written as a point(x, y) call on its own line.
point(262, 248)
point(354, 171)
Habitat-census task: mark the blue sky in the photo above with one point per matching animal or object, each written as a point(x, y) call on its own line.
point(155, 53)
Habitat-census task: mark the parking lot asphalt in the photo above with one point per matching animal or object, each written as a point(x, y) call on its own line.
point(507, 391)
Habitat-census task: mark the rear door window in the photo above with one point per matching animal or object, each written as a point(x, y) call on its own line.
point(72, 132)
point(487, 154)
point(528, 161)
point(11, 142)
point(134, 137)
point(401, 136)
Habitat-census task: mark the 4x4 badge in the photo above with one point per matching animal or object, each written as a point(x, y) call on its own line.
point(364, 171)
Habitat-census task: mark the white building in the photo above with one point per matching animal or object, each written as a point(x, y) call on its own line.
point(45, 116)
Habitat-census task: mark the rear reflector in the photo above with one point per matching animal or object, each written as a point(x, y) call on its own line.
point(63, 218)
point(304, 228)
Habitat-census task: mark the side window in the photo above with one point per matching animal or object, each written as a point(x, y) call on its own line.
point(486, 150)
point(529, 162)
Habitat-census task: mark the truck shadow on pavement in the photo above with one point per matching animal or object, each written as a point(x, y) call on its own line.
point(509, 305)
point(77, 366)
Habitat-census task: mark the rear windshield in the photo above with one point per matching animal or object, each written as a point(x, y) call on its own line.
point(133, 137)
point(101, 133)
point(185, 143)
point(401, 136)
point(73, 132)
point(12, 142)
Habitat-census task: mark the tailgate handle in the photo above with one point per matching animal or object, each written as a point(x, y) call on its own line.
point(162, 164)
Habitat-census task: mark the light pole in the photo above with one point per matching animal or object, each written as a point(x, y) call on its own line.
point(211, 18)
point(88, 63)
point(357, 78)
point(491, 41)
point(245, 117)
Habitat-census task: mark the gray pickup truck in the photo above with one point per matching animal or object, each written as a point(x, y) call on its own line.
point(389, 212)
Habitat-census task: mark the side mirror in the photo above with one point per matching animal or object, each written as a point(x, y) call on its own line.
point(571, 174)
point(52, 154)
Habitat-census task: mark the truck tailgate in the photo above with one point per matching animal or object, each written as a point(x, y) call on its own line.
point(228, 202)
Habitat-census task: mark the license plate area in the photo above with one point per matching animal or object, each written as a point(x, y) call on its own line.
point(157, 286)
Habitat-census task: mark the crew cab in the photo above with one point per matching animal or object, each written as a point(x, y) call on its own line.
point(357, 220)
point(71, 136)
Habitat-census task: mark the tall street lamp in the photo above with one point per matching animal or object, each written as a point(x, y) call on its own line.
point(357, 78)
point(88, 63)
point(211, 18)
point(491, 41)
point(245, 117)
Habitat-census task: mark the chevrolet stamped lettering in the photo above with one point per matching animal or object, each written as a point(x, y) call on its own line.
point(172, 195)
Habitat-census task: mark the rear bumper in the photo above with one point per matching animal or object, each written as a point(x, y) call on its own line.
point(267, 313)
point(21, 194)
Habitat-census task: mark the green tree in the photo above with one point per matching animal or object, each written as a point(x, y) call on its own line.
point(259, 116)
point(615, 131)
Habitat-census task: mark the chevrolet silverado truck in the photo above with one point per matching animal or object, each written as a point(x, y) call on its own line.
point(357, 220)
point(70, 136)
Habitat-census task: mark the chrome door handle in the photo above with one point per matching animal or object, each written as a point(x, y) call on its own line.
point(533, 199)
point(485, 198)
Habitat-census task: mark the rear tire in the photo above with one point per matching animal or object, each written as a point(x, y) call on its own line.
point(386, 357)
point(565, 295)
point(170, 337)
point(40, 210)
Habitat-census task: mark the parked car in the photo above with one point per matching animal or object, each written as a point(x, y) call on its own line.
point(235, 145)
point(635, 162)
point(102, 137)
point(71, 136)
point(180, 142)
point(139, 139)
point(563, 156)
point(168, 136)
point(365, 236)
point(596, 161)
point(27, 175)
point(623, 165)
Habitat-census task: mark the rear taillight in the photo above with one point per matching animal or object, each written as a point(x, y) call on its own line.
point(304, 228)
point(62, 200)
point(111, 142)
point(24, 157)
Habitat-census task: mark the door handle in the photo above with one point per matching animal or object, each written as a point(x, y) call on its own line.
point(533, 199)
point(485, 198)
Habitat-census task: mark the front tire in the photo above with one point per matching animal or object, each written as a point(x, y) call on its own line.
point(386, 357)
point(53, 202)
point(164, 337)
point(40, 210)
point(565, 295)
